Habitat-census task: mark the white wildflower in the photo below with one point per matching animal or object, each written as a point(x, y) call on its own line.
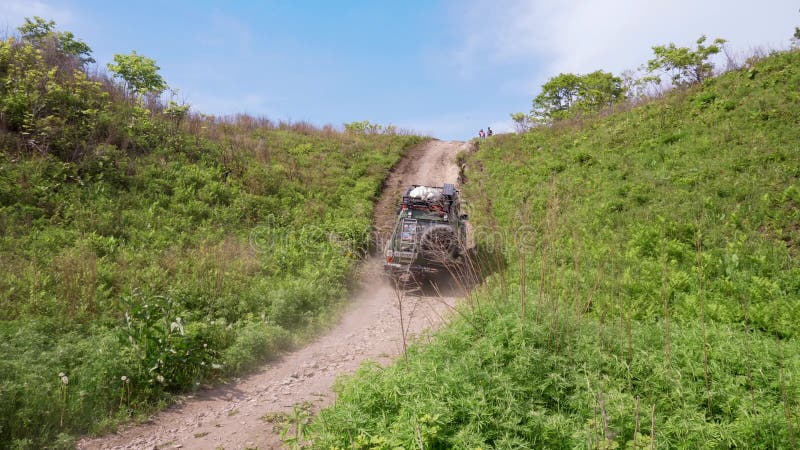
point(177, 325)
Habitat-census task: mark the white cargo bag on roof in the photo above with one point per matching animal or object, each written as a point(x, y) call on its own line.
point(426, 193)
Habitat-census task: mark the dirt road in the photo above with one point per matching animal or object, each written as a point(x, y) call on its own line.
point(231, 416)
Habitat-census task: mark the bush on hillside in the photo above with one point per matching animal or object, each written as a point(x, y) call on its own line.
point(660, 292)
point(146, 250)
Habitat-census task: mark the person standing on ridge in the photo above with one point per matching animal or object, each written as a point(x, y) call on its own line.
point(489, 132)
point(481, 134)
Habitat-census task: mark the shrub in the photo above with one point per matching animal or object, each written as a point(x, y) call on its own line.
point(660, 291)
point(130, 242)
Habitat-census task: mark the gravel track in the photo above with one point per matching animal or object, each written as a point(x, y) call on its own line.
point(231, 416)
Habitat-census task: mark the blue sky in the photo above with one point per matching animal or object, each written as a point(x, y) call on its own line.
point(444, 68)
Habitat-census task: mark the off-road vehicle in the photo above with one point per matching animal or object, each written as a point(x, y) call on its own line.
point(430, 234)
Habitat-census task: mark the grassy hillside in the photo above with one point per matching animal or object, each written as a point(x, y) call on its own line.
point(652, 292)
point(144, 252)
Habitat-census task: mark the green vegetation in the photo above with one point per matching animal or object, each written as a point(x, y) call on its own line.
point(522, 122)
point(567, 95)
point(686, 66)
point(42, 33)
point(570, 96)
point(651, 295)
point(145, 250)
point(139, 73)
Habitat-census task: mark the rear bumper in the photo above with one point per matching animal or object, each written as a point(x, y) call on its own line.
point(397, 270)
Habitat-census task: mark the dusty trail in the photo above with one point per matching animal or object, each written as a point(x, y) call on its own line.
point(231, 416)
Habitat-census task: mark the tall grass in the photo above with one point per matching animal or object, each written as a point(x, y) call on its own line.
point(144, 254)
point(666, 277)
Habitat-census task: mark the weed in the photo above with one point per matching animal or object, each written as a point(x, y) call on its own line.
point(138, 240)
point(681, 227)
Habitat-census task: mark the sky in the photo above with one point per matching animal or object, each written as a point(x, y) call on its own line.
point(442, 68)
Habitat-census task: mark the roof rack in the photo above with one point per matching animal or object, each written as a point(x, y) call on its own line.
point(449, 192)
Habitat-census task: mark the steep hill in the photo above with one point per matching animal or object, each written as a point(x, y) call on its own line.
point(145, 250)
point(652, 290)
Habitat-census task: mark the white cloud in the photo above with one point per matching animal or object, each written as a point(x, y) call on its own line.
point(14, 12)
point(613, 35)
point(516, 45)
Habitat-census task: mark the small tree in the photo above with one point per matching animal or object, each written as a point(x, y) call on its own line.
point(38, 31)
point(522, 122)
point(557, 96)
point(600, 90)
point(176, 112)
point(796, 37)
point(638, 87)
point(139, 73)
point(569, 94)
point(686, 66)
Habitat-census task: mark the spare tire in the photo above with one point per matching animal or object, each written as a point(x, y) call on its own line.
point(439, 243)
